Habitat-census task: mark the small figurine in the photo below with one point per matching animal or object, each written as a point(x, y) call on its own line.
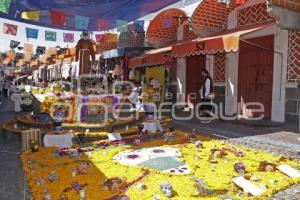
point(265, 166)
point(40, 181)
point(200, 186)
point(167, 189)
point(82, 194)
point(169, 135)
point(114, 184)
point(240, 168)
point(46, 195)
point(74, 172)
point(52, 176)
point(63, 196)
point(34, 146)
point(137, 141)
point(218, 153)
point(141, 186)
point(198, 144)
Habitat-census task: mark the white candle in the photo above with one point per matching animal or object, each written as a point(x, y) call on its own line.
point(82, 194)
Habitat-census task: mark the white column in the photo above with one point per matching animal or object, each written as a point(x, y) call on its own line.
point(181, 71)
point(279, 75)
point(210, 65)
point(231, 83)
point(181, 79)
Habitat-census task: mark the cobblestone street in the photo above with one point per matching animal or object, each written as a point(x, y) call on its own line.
point(12, 178)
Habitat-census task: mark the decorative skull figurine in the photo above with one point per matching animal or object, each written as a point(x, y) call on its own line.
point(167, 189)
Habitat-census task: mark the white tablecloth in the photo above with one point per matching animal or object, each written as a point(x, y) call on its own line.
point(152, 126)
point(64, 140)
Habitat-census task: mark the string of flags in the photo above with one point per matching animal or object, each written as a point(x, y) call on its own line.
point(31, 15)
point(50, 36)
point(58, 18)
point(33, 33)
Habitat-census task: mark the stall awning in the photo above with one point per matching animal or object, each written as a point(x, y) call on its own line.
point(223, 41)
point(119, 52)
point(114, 53)
point(151, 58)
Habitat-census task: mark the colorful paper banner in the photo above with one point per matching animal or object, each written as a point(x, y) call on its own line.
point(110, 37)
point(50, 36)
point(28, 47)
point(57, 17)
point(102, 24)
point(14, 44)
point(122, 25)
point(99, 37)
point(51, 50)
point(81, 22)
point(139, 26)
point(123, 36)
point(167, 23)
point(69, 37)
point(10, 29)
point(4, 6)
point(32, 33)
point(40, 50)
point(31, 15)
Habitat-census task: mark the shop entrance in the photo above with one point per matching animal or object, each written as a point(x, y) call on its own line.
point(255, 76)
point(194, 65)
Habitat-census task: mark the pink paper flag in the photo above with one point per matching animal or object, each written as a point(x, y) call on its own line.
point(68, 37)
point(10, 29)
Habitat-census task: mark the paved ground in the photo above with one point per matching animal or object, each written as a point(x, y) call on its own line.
point(270, 137)
point(11, 174)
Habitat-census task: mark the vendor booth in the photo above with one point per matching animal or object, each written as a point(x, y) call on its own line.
point(156, 64)
point(117, 59)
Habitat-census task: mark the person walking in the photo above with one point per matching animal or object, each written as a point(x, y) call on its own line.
point(5, 88)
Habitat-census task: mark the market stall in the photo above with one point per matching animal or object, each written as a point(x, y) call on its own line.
point(157, 64)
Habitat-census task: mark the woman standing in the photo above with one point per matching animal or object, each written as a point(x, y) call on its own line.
point(5, 88)
point(206, 93)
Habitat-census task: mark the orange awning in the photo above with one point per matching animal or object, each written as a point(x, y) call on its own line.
point(223, 41)
point(151, 58)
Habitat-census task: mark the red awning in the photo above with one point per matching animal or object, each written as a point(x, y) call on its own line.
point(151, 58)
point(223, 41)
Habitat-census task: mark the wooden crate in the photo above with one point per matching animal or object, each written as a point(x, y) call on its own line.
point(31, 134)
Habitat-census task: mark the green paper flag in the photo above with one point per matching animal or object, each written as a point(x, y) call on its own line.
point(122, 26)
point(124, 36)
point(50, 36)
point(4, 5)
